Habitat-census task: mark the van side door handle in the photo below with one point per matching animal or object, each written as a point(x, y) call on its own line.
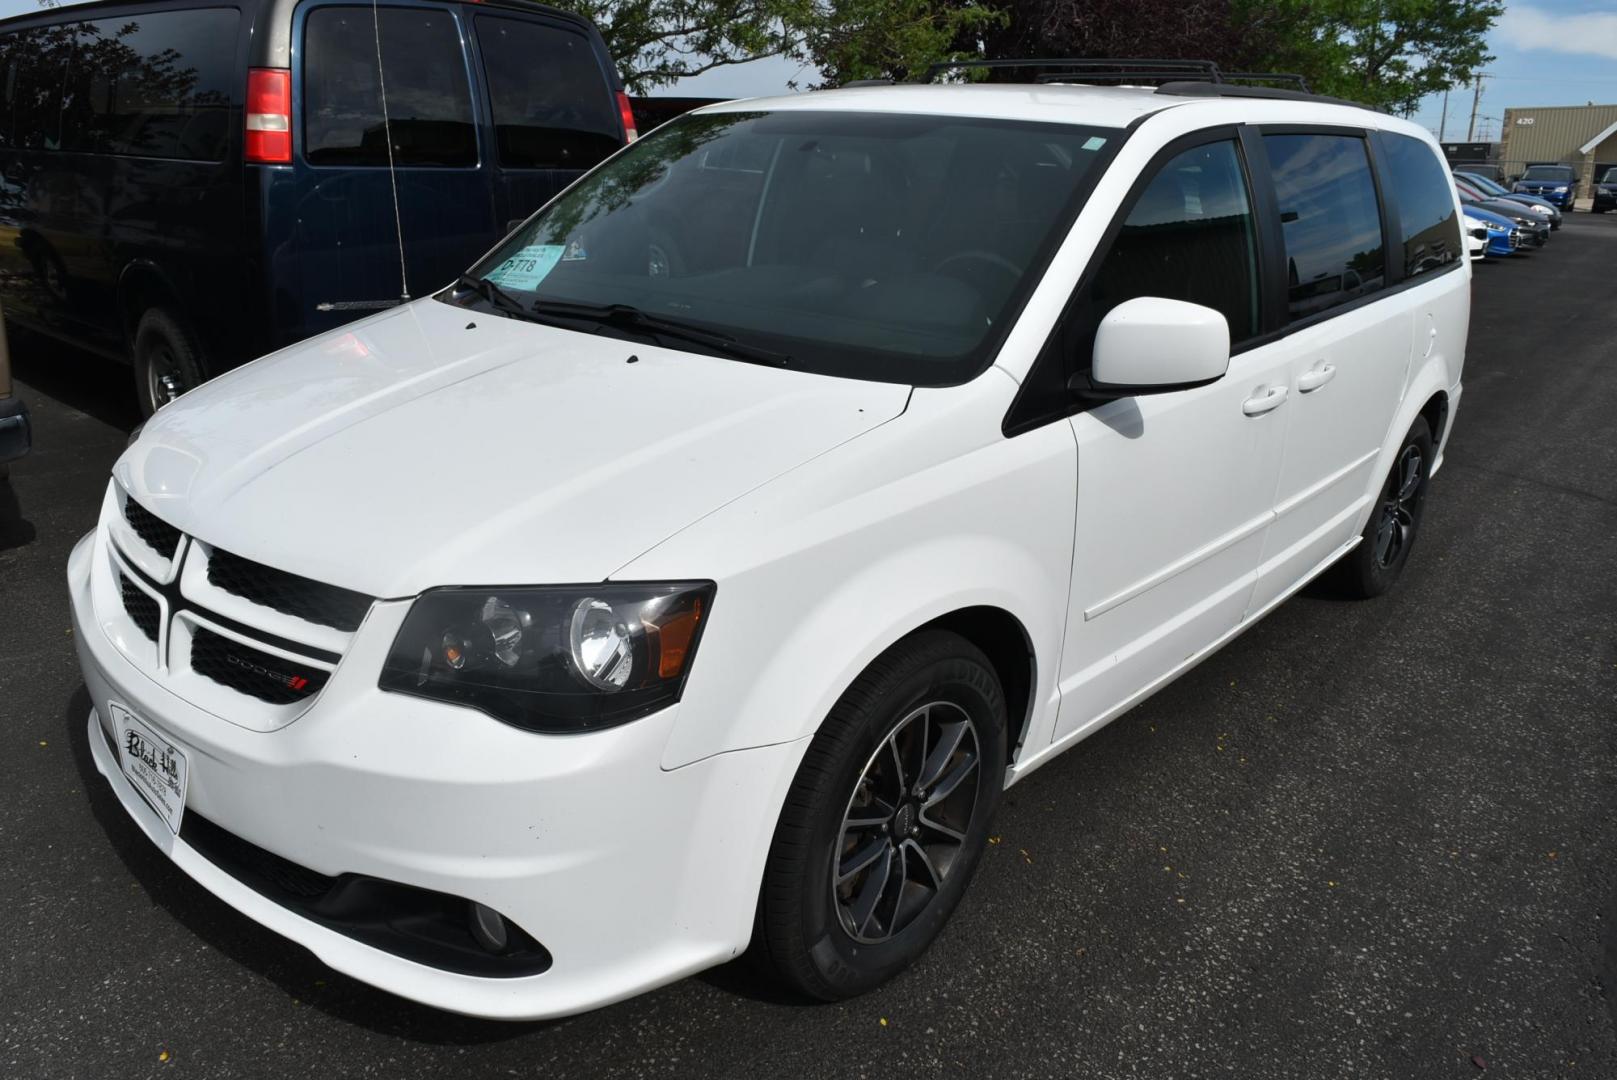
point(1315, 378)
point(1270, 399)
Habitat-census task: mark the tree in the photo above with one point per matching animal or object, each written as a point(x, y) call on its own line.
point(1386, 53)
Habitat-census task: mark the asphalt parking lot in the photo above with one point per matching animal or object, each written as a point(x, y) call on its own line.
point(1365, 840)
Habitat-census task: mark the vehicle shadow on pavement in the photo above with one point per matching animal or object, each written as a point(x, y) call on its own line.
point(94, 385)
point(15, 531)
point(294, 970)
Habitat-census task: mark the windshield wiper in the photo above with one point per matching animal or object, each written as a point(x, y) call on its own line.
point(496, 296)
point(625, 317)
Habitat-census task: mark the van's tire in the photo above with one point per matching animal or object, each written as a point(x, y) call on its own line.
point(168, 360)
point(849, 798)
point(1375, 563)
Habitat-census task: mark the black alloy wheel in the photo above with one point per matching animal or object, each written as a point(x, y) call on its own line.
point(886, 819)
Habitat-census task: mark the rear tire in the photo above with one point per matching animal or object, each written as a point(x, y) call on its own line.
point(881, 804)
point(168, 360)
point(1371, 567)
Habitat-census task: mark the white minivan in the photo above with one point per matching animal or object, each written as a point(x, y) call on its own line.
point(700, 568)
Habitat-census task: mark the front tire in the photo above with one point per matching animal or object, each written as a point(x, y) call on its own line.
point(168, 360)
point(886, 819)
point(1371, 567)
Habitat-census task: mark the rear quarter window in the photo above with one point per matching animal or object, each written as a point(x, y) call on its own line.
point(553, 106)
point(1429, 227)
point(159, 84)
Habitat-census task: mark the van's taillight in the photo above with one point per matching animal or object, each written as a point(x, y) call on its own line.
point(626, 111)
point(269, 116)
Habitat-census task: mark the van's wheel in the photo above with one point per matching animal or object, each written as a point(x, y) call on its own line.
point(1383, 549)
point(886, 819)
point(168, 361)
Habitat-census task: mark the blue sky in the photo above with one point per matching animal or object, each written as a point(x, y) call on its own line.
point(1551, 52)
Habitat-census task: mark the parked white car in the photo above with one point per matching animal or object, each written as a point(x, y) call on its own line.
point(717, 551)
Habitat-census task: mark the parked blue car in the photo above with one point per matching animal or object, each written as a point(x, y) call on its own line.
point(1556, 183)
point(1500, 239)
point(1492, 190)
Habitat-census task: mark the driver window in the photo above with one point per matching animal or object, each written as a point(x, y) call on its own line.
point(1191, 237)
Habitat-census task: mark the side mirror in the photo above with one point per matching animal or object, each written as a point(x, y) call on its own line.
point(1150, 345)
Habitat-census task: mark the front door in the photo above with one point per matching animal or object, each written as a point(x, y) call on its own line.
point(354, 249)
point(1175, 490)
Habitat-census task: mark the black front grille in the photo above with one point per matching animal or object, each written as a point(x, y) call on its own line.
point(142, 609)
point(287, 593)
point(247, 860)
point(252, 672)
point(159, 535)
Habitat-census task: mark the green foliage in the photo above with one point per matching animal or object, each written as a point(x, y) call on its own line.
point(1386, 53)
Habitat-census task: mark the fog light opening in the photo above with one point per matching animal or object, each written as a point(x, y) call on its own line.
point(489, 929)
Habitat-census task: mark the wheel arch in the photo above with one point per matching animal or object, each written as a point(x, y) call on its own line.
point(143, 285)
point(1005, 641)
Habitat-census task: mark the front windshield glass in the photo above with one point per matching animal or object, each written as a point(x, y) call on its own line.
point(1610, 177)
point(1484, 184)
point(1547, 172)
point(875, 246)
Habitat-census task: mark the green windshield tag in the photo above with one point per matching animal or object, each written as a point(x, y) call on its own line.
point(528, 267)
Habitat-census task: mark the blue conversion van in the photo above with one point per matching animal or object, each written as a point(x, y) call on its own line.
point(187, 185)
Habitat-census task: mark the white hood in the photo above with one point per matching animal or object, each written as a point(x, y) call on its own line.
point(436, 445)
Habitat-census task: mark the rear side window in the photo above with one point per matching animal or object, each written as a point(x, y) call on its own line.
point(1331, 220)
point(152, 85)
point(553, 107)
point(429, 102)
point(1428, 225)
point(1189, 237)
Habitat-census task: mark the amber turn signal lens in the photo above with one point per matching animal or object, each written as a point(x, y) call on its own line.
point(672, 637)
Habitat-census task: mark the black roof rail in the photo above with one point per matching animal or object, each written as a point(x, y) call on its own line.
point(1187, 78)
point(1073, 69)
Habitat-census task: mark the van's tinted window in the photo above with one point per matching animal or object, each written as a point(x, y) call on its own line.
point(553, 106)
point(429, 103)
point(1331, 219)
point(152, 85)
point(1428, 224)
point(1189, 237)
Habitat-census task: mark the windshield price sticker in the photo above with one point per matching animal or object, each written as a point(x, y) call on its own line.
point(528, 267)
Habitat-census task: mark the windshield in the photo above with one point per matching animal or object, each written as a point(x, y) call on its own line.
point(874, 246)
point(1547, 172)
point(1482, 183)
point(1610, 177)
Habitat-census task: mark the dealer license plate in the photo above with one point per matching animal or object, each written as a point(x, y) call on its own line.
point(154, 765)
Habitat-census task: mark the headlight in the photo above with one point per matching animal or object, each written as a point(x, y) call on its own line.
point(555, 659)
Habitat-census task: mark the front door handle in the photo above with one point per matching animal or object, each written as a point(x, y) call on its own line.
point(1315, 378)
point(1259, 404)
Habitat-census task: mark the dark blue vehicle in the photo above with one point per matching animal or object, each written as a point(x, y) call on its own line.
point(1557, 183)
point(192, 183)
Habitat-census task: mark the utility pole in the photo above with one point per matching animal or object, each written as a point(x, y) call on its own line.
point(1443, 124)
point(1476, 100)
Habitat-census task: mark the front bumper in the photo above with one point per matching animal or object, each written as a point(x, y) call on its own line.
point(629, 875)
point(16, 434)
point(1605, 200)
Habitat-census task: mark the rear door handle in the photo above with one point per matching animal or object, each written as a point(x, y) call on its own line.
point(1270, 399)
point(1315, 378)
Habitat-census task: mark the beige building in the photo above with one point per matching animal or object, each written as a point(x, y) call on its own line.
point(1582, 136)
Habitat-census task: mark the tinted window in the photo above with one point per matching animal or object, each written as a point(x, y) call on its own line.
point(1428, 224)
point(868, 245)
point(1189, 237)
point(429, 104)
point(153, 85)
point(1331, 220)
point(553, 107)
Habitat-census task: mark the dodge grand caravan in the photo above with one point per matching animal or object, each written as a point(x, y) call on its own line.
point(187, 184)
point(701, 567)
